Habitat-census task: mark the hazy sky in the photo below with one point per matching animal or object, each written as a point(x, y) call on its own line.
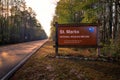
point(45, 10)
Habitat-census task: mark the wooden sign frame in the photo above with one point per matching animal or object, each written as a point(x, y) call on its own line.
point(57, 45)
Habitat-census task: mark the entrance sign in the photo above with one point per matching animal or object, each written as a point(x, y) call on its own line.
point(76, 35)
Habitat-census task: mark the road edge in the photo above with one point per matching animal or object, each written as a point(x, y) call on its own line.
point(21, 63)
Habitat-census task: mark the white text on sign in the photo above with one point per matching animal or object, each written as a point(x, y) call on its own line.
point(69, 31)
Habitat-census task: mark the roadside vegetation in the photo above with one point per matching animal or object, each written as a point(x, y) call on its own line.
point(18, 23)
point(44, 66)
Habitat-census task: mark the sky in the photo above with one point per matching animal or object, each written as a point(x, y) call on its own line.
point(45, 10)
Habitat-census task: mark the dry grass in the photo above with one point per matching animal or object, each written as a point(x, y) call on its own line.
point(43, 67)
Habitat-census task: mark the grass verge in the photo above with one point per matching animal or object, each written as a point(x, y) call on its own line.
point(41, 66)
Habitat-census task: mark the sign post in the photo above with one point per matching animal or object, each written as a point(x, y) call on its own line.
point(56, 39)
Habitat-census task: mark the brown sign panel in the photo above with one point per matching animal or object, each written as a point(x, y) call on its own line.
point(83, 35)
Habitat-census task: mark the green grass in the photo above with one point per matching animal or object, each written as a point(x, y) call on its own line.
point(43, 66)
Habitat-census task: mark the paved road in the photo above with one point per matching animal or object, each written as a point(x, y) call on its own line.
point(12, 56)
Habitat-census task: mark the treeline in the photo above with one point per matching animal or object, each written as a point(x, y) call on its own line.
point(75, 11)
point(18, 23)
point(109, 17)
point(104, 12)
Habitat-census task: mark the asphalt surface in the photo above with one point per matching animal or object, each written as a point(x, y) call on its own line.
point(13, 56)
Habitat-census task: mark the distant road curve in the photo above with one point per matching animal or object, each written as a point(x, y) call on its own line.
point(14, 56)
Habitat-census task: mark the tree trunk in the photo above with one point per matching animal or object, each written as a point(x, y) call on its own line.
point(110, 18)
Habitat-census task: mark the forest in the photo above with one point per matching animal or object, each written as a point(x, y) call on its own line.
point(18, 23)
point(106, 13)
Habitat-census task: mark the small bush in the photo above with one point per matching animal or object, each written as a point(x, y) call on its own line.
point(112, 49)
